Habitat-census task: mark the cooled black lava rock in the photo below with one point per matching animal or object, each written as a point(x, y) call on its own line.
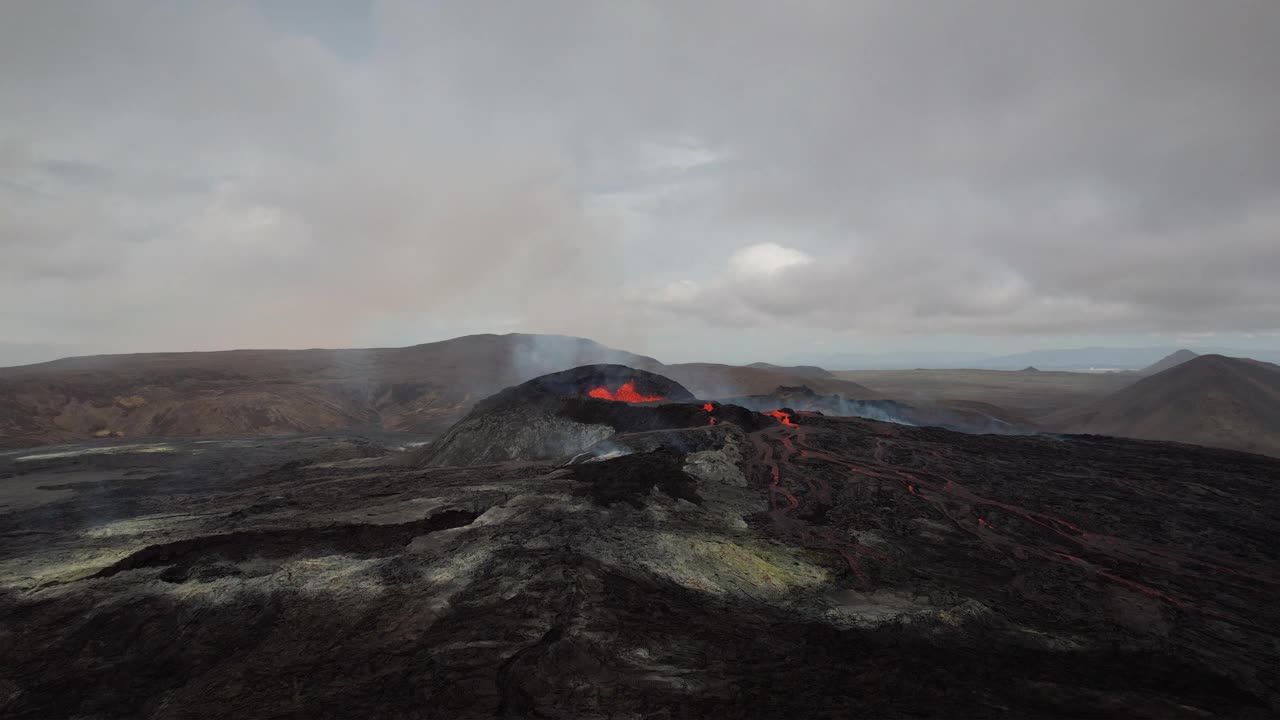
point(632, 477)
point(556, 416)
point(919, 573)
point(680, 440)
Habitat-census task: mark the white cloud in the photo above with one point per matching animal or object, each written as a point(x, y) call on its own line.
point(182, 175)
point(766, 260)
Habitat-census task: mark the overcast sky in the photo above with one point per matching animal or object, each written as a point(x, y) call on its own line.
point(719, 180)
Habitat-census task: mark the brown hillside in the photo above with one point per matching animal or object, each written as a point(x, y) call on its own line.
point(423, 388)
point(1209, 400)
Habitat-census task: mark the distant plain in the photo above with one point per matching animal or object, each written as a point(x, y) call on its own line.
point(1030, 393)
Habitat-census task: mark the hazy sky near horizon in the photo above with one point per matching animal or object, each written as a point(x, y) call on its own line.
point(708, 179)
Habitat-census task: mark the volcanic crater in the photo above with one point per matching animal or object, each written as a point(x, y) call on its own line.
point(600, 543)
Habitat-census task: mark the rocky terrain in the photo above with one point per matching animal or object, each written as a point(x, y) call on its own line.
point(703, 560)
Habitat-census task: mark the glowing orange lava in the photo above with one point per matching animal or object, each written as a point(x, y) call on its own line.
point(784, 418)
point(626, 393)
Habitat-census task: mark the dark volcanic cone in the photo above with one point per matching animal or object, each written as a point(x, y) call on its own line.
point(562, 414)
point(606, 382)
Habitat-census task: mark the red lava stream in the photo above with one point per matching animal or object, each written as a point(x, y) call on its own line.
point(1057, 540)
point(848, 548)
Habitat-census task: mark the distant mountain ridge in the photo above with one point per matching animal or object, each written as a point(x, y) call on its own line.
point(423, 389)
point(797, 370)
point(1071, 359)
point(419, 389)
point(1171, 360)
point(715, 381)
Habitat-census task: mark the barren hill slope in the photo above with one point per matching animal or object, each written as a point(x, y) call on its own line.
point(423, 388)
point(1171, 360)
point(420, 389)
point(1209, 400)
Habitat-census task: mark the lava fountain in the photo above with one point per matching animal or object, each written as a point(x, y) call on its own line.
point(782, 417)
point(626, 393)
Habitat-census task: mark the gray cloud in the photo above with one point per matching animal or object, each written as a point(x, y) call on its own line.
point(206, 175)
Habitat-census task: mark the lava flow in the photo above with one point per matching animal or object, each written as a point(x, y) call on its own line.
point(818, 491)
point(626, 393)
point(783, 417)
point(798, 489)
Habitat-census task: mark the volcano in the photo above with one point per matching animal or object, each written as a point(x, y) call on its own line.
point(562, 414)
point(772, 564)
point(423, 389)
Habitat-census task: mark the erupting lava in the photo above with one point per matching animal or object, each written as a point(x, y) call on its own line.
point(626, 393)
point(783, 417)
